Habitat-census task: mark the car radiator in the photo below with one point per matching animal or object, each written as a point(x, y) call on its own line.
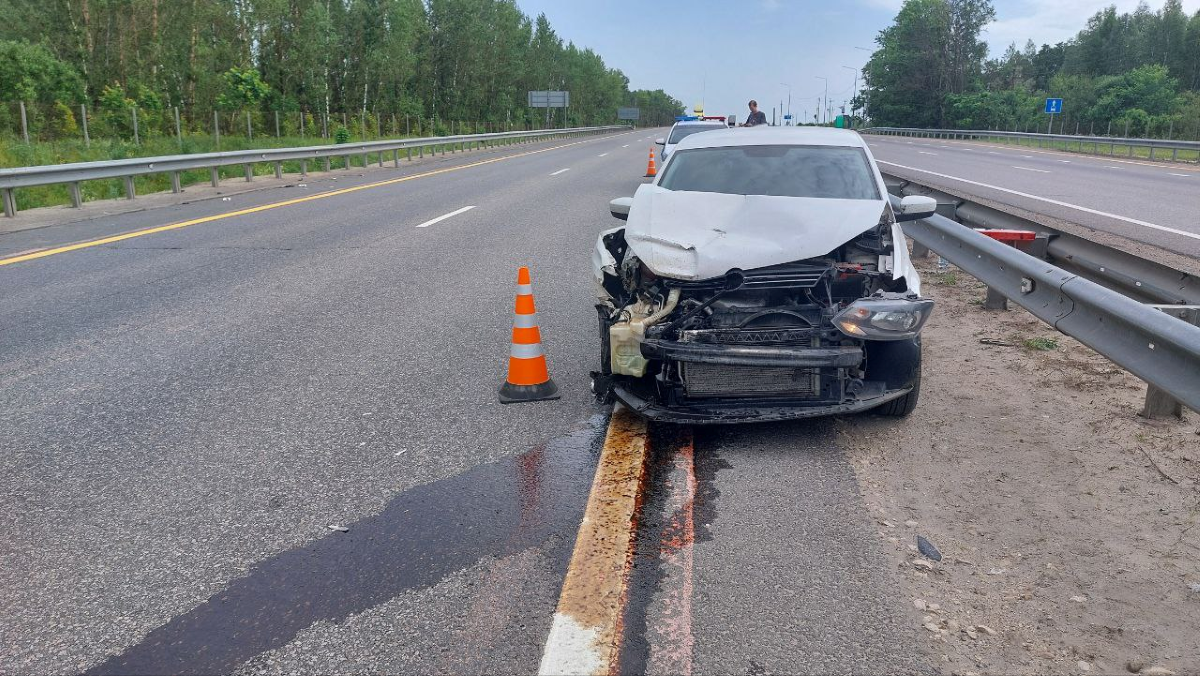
point(721, 380)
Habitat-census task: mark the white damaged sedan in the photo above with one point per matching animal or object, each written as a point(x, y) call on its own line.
point(762, 276)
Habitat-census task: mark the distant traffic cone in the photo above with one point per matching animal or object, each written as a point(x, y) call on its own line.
point(651, 170)
point(528, 378)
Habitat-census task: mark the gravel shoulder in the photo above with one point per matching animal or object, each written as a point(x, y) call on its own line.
point(1065, 522)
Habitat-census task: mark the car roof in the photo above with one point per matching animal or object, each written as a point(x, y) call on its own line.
point(706, 123)
point(769, 136)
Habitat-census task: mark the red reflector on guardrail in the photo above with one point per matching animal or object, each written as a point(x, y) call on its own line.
point(1008, 235)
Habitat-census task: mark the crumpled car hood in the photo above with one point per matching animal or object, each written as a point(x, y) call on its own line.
point(700, 235)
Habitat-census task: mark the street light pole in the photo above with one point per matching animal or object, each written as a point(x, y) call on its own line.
point(826, 112)
point(853, 92)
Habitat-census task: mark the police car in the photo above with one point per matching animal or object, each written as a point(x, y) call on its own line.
point(685, 126)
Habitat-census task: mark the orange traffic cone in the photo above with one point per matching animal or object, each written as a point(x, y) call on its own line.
point(528, 378)
point(651, 170)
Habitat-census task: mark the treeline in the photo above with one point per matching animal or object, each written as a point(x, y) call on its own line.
point(1135, 73)
point(370, 62)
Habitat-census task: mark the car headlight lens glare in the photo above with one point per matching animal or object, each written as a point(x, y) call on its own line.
point(884, 318)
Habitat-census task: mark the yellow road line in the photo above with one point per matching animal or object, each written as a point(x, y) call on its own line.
point(265, 207)
point(585, 634)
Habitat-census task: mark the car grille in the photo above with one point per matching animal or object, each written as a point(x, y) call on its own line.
point(776, 337)
point(720, 380)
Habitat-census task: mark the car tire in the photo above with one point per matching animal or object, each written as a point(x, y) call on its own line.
point(898, 364)
point(898, 408)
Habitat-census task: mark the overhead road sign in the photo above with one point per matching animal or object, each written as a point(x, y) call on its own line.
point(629, 113)
point(1054, 106)
point(549, 99)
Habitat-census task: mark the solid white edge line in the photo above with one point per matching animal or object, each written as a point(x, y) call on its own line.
point(443, 217)
point(570, 649)
point(556, 173)
point(1183, 175)
point(1068, 205)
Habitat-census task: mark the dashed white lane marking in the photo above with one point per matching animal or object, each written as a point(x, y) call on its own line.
point(1112, 167)
point(922, 152)
point(1027, 157)
point(443, 217)
point(625, 146)
point(603, 154)
point(1096, 212)
point(1065, 161)
point(1040, 171)
point(556, 173)
point(1183, 175)
point(993, 152)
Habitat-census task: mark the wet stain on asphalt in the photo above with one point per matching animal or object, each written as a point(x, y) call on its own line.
point(660, 528)
point(423, 535)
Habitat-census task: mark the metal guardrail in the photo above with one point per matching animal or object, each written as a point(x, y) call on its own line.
point(1133, 276)
point(1155, 346)
point(1045, 139)
point(73, 174)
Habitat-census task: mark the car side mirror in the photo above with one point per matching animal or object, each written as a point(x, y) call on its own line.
point(619, 208)
point(916, 207)
point(661, 141)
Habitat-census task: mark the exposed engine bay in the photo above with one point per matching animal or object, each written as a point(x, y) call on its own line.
point(829, 334)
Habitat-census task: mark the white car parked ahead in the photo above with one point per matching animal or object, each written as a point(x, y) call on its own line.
point(761, 276)
point(682, 130)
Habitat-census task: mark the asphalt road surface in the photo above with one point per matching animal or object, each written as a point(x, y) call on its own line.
point(271, 442)
point(1152, 202)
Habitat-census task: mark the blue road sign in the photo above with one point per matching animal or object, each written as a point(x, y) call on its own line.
point(787, 117)
point(1053, 105)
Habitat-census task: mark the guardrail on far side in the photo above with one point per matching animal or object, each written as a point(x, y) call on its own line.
point(1042, 140)
point(75, 173)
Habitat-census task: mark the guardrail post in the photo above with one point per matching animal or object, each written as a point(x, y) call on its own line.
point(10, 203)
point(381, 159)
point(408, 153)
point(366, 158)
point(76, 196)
point(279, 170)
point(175, 187)
point(327, 164)
point(214, 175)
point(396, 156)
point(994, 300)
point(1159, 404)
point(303, 169)
point(130, 193)
point(249, 172)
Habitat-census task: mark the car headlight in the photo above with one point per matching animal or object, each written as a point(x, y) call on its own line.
point(884, 318)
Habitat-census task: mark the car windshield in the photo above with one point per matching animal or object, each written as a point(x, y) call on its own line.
point(681, 132)
point(831, 172)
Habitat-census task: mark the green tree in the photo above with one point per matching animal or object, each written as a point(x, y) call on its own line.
point(31, 73)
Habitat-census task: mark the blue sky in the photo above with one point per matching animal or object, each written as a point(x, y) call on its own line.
point(729, 51)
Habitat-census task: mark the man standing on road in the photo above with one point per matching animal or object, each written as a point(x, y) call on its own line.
point(757, 116)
